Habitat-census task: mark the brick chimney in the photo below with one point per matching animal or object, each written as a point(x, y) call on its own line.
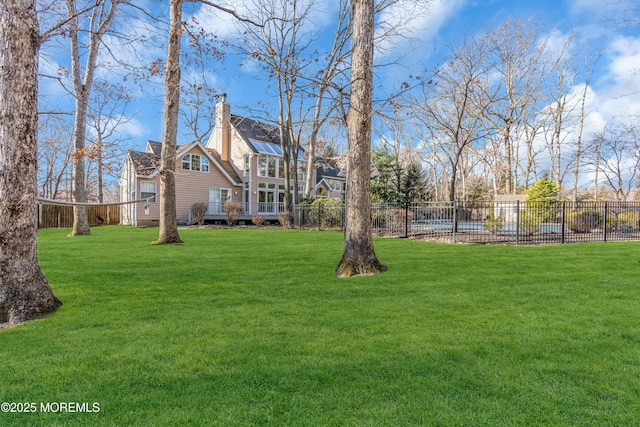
point(223, 127)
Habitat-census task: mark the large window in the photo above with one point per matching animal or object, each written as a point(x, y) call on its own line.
point(195, 162)
point(217, 198)
point(148, 190)
point(270, 166)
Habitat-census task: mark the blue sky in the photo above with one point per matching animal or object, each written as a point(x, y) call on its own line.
point(615, 89)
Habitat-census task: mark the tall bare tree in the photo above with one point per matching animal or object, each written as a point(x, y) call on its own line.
point(323, 81)
point(168, 224)
point(99, 21)
point(615, 154)
point(105, 116)
point(591, 60)
point(280, 47)
point(518, 56)
point(358, 256)
point(25, 293)
point(454, 104)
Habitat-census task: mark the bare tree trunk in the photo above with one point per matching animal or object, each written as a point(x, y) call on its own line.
point(168, 232)
point(99, 171)
point(25, 293)
point(101, 19)
point(81, 92)
point(358, 255)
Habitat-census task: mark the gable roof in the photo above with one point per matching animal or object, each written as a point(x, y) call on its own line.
point(328, 170)
point(154, 147)
point(146, 163)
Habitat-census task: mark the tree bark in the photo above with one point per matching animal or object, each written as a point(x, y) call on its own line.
point(358, 257)
point(25, 293)
point(168, 233)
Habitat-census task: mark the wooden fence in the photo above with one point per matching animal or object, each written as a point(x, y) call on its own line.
point(59, 216)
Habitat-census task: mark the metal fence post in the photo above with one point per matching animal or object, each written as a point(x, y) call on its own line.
point(564, 212)
point(517, 222)
point(606, 205)
point(454, 222)
point(406, 220)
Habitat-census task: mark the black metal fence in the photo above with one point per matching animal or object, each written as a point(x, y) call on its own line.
point(517, 222)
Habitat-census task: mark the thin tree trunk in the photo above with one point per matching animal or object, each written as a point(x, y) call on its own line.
point(168, 232)
point(25, 293)
point(100, 171)
point(101, 20)
point(358, 257)
point(81, 91)
point(578, 156)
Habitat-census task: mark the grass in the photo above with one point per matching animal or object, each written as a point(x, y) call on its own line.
point(251, 327)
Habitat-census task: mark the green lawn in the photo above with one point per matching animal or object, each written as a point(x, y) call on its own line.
point(251, 327)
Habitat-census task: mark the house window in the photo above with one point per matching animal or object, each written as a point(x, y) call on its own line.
point(246, 196)
point(270, 166)
point(217, 198)
point(195, 162)
point(335, 184)
point(247, 164)
point(273, 166)
point(266, 198)
point(281, 168)
point(148, 190)
point(262, 165)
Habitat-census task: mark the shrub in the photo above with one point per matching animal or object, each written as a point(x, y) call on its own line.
point(285, 219)
point(542, 201)
point(628, 221)
point(258, 221)
point(198, 211)
point(529, 222)
point(233, 211)
point(583, 221)
point(327, 212)
point(493, 224)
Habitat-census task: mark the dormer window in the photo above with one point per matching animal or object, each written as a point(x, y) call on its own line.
point(195, 162)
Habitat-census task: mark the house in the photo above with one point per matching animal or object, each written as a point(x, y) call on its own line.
point(201, 175)
point(331, 180)
point(241, 163)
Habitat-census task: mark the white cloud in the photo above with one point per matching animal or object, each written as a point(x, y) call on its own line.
point(619, 87)
point(596, 7)
point(224, 25)
point(412, 21)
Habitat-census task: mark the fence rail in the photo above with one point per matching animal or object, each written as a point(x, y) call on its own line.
point(491, 222)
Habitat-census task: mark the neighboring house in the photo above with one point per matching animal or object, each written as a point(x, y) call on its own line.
point(331, 180)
